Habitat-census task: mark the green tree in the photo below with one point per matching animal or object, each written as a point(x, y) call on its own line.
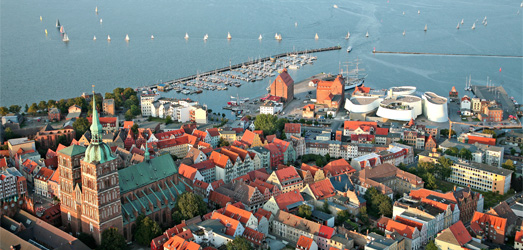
point(62, 140)
point(431, 182)
point(325, 207)
point(128, 92)
point(128, 103)
point(386, 209)
point(4, 111)
point(87, 239)
point(14, 108)
point(42, 105)
point(168, 120)
point(267, 123)
point(146, 230)
point(283, 136)
point(80, 126)
point(342, 216)
point(9, 134)
point(99, 103)
point(26, 108)
point(134, 128)
point(33, 109)
point(128, 115)
point(135, 110)
point(509, 164)
point(51, 104)
point(190, 205)
point(431, 246)
point(453, 151)
point(222, 142)
point(363, 216)
point(304, 211)
point(112, 240)
point(328, 157)
point(465, 153)
point(239, 243)
point(109, 95)
point(70, 102)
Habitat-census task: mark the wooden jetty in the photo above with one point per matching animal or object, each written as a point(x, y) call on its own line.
point(236, 66)
point(440, 54)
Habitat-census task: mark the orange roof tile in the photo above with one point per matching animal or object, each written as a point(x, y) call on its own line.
point(220, 199)
point(353, 125)
point(322, 189)
point(213, 132)
point(304, 243)
point(460, 233)
point(187, 171)
point(230, 224)
point(519, 237)
point(237, 213)
point(219, 160)
point(338, 167)
point(286, 199)
point(479, 219)
point(232, 156)
point(253, 236)
point(294, 128)
point(287, 173)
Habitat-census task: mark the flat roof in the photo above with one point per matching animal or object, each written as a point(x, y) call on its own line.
point(359, 100)
point(404, 98)
point(436, 99)
point(487, 168)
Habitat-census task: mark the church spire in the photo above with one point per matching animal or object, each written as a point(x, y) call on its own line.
point(146, 154)
point(96, 127)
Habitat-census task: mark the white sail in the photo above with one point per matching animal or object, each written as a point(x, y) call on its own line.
point(295, 24)
point(260, 37)
point(473, 26)
point(40, 18)
point(205, 37)
point(316, 36)
point(152, 37)
point(96, 10)
point(186, 36)
point(367, 35)
point(66, 38)
point(46, 32)
point(276, 36)
point(485, 23)
point(101, 20)
point(94, 38)
point(419, 12)
point(425, 28)
point(127, 37)
point(404, 32)
point(348, 35)
point(457, 27)
point(403, 12)
point(335, 6)
point(108, 38)
point(462, 20)
point(229, 36)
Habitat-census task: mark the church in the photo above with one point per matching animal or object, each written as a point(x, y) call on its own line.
point(98, 192)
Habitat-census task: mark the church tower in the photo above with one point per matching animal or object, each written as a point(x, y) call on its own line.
point(101, 206)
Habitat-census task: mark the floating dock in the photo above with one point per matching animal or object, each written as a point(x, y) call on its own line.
point(236, 66)
point(440, 54)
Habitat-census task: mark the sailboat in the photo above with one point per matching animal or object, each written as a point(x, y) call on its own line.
point(367, 35)
point(260, 37)
point(46, 32)
point(58, 23)
point(485, 23)
point(462, 20)
point(152, 37)
point(205, 37)
point(348, 35)
point(403, 12)
point(66, 38)
point(425, 28)
point(94, 38)
point(419, 12)
point(40, 18)
point(316, 36)
point(473, 26)
point(484, 19)
point(295, 24)
point(108, 38)
point(276, 36)
point(186, 36)
point(127, 38)
point(62, 29)
point(335, 6)
point(101, 20)
point(403, 32)
point(229, 36)
point(96, 10)
point(457, 27)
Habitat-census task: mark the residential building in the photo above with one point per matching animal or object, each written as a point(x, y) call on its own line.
point(286, 179)
point(271, 108)
point(492, 113)
point(298, 143)
point(481, 153)
point(490, 227)
point(359, 127)
point(331, 93)
point(337, 167)
point(109, 124)
point(249, 196)
point(288, 202)
point(481, 176)
point(514, 138)
point(12, 183)
point(411, 234)
point(40, 182)
point(13, 145)
point(283, 86)
point(456, 237)
point(306, 243)
point(308, 111)
point(54, 114)
point(292, 129)
point(108, 107)
point(146, 101)
point(264, 156)
point(378, 242)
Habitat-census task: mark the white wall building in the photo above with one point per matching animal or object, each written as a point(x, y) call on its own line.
point(435, 107)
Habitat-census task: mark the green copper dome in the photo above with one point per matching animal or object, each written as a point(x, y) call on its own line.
point(97, 151)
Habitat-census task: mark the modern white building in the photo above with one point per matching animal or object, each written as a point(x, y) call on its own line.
point(271, 108)
point(435, 107)
point(401, 108)
point(402, 90)
point(362, 104)
point(146, 99)
point(185, 110)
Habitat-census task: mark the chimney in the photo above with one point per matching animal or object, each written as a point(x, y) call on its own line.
point(454, 188)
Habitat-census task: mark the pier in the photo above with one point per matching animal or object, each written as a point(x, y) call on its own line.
point(236, 66)
point(441, 54)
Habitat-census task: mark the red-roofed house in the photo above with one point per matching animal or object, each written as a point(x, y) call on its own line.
point(201, 188)
point(306, 243)
point(518, 240)
point(410, 233)
point(331, 93)
point(324, 236)
point(292, 129)
point(480, 139)
point(287, 202)
point(109, 124)
point(189, 173)
point(456, 237)
point(268, 190)
point(224, 166)
point(320, 190)
point(232, 227)
point(338, 167)
point(255, 237)
point(40, 182)
point(361, 90)
point(489, 226)
point(179, 243)
point(53, 184)
point(217, 200)
point(359, 127)
point(251, 139)
point(286, 179)
point(308, 111)
point(276, 156)
point(214, 136)
point(283, 86)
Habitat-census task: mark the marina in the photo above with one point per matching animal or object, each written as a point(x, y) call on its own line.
point(238, 74)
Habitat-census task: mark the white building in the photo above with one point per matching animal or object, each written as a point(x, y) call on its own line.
point(271, 108)
point(401, 108)
point(362, 104)
point(435, 107)
point(146, 100)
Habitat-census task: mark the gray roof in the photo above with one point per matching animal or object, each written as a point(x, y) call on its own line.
point(487, 168)
point(321, 215)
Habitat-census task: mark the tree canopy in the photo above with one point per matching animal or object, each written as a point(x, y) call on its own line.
point(80, 126)
point(239, 243)
point(146, 230)
point(304, 211)
point(378, 203)
point(188, 206)
point(431, 246)
point(270, 124)
point(112, 240)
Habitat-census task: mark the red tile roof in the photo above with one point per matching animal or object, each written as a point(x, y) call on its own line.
point(217, 183)
point(326, 232)
point(460, 233)
point(286, 199)
point(304, 243)
point(382, 131)
point(294, 128)
point(424, 193)
point(253, 236)
point(219, 160)
point(262, 186)
point(230, 224)
point(199, 134)
point(44, 174)
point(213, 132)
point(232, 156)
point(201, 184)
point(409, 222)
point(311, 169)
point(220, 199)
point(262, 213)
point(338, 167)
point(404, 230)
point(237, 213)
point(480, 219)
point(353, 125)
point(105, 120)
point(483, 140)
point(287, 173)
point(170, 134)
point(187, 171)
point(519, 237)
point(322, 189)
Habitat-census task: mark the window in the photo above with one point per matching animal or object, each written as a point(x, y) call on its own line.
point(91, 226)
point(68, 216)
